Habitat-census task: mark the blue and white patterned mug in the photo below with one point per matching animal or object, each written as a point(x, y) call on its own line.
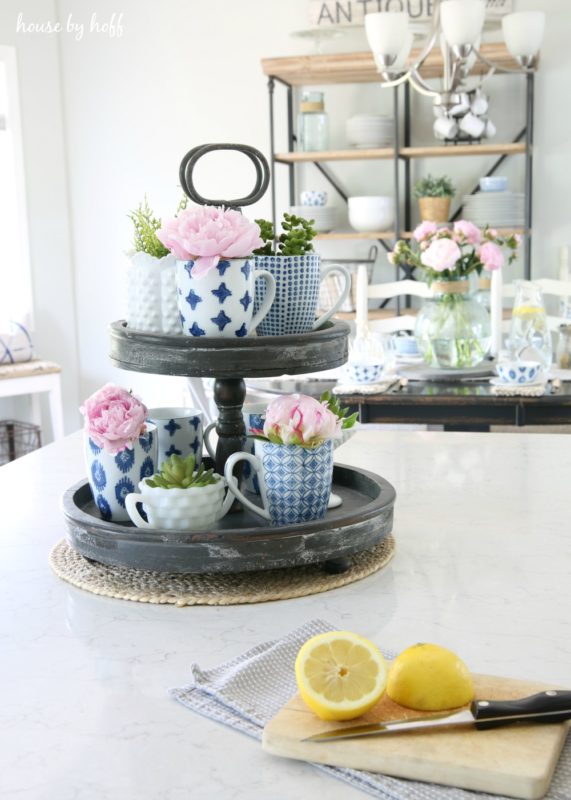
point(295, 482)
point(297, 294)
point(221, 303)
point(179, 431)
point(113, 477)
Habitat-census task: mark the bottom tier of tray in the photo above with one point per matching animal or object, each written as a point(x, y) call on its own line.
point(241, 541)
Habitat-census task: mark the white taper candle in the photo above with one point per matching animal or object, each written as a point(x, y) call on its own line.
point(496, 309)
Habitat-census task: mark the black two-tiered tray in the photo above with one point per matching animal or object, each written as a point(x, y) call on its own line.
point(241, 541)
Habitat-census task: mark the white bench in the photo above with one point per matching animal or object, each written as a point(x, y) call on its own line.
point(34, 377)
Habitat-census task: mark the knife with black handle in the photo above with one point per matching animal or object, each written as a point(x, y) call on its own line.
point(551, 706)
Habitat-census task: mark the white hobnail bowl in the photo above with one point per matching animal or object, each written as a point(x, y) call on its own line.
point(181, 509)
point(375, 213)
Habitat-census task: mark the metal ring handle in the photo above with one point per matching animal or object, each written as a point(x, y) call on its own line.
point(258, 159)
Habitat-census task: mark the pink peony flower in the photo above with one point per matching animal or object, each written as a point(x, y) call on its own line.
point(491, 256)
point(441, 255)
point(468, 232)
point(114, 418)
point(302, 420)
point(424, 230)
point(391, 257)
point(518, 239)
point(204, 234)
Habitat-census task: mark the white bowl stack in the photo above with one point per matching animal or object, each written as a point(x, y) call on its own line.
point(370, 131)
point(496, 209)
point(324, 216)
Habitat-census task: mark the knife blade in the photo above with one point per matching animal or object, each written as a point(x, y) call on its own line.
point(549, 706)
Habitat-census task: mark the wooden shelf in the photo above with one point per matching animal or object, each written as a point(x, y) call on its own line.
point(388, 235)
point(336, 155)
point(509, 149)
point(432, 151)
point(338, 235)
point(360, 67)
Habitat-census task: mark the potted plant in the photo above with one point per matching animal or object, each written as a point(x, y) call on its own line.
point(215, 274)
point(434, 196)
point(453, 329)
point(151, 288)
point(120, 447)
point(296, 267)
point(180, 497)
point(293, 459)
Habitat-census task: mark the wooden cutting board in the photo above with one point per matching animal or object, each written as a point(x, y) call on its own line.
point(517, 761)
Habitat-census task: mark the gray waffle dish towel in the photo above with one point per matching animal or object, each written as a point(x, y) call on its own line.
point(246, 692)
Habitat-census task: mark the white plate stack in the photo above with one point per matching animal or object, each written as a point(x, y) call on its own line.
point(496, 209)
point(324, 216)
point(370, 131)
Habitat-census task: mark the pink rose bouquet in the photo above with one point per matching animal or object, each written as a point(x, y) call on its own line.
point(300, 420)
point(114, 418)
point(205, 234)
point(452, 254)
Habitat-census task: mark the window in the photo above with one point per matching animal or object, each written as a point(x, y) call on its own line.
point(15, 278)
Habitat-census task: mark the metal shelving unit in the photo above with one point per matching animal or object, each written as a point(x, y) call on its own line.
point(292, 72)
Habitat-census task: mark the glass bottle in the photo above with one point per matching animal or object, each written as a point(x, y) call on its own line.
point(530, 338)
point(312, 123)
point(564, 347)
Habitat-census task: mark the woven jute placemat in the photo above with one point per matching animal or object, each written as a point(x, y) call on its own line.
point(215, 589)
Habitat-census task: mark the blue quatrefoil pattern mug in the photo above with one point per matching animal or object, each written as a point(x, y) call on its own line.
point(221, 303)
point(113, 477)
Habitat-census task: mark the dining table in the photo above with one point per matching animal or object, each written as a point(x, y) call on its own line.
point(481, 566)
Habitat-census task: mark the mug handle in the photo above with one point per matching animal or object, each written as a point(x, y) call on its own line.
point(232, 482)
point(205, 438)
point(131, 501)
point(268, 299)
point(342, 297)
point(226, 505)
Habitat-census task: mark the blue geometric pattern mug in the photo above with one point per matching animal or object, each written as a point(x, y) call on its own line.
point(179, 432)
point(295, 482)
point(221, 303)
point(113, 477)
point(297, 294)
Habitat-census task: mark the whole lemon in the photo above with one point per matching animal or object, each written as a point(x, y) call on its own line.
point(428, 677)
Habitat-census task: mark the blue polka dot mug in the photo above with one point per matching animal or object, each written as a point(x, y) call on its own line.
point(179, 432)
point(221, 303)
point(113, 477)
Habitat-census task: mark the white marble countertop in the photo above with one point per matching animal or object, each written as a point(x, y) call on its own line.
point(483, 533)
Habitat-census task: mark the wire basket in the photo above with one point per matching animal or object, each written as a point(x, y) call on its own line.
point(332, 285)
point(18, 438)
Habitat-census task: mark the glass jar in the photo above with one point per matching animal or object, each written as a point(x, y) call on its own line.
point(453, 329)
point(530, 338)
point(312, 123)
point(564, 347)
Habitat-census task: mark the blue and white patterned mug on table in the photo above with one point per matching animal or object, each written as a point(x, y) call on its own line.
point(295, 482)
point(221, 302)
point(113, 477)
point(179, 432)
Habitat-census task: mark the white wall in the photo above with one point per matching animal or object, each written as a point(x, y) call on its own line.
point(47, 200)
point(187, 72)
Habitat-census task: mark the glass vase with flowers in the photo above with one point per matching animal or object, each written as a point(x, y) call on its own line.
point(453, 330)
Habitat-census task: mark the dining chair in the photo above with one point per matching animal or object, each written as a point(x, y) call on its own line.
point(385, 291)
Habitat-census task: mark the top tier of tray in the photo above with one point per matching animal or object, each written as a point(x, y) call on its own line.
point(250, 357)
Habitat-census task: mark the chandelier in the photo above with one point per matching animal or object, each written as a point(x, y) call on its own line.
point(457, 28)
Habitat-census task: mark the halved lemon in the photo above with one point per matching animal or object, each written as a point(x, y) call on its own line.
point(428, 677)
point(340, 675)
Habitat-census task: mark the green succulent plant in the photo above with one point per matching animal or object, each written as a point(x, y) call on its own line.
point(434, 187)
point(179, 473)
point(146, 226)
point(334, 406)
point(295, 240)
